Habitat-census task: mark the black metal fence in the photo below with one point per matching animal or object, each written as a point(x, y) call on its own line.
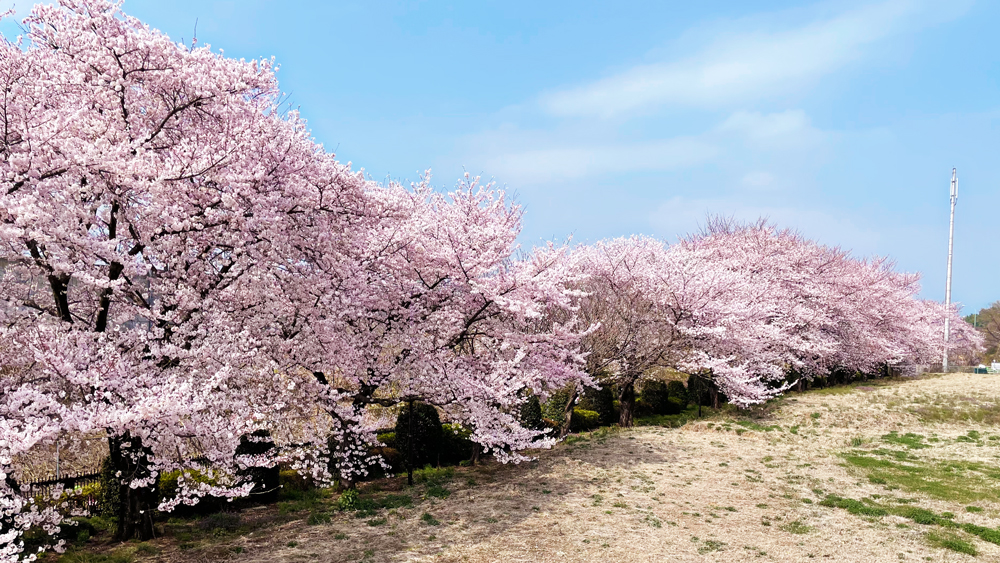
point(74, 484)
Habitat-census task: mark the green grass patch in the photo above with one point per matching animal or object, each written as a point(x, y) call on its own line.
point(428, 519)
point(797, 527)
point(318, 518)
point(674, 420)
point(367, 505)
point(751, 425)
point(952, 541)
point(855, 507)
point(437, 491)
point(865, 385)
point(126, 555)
point(304, 501)
point(710, 546)
point(910, 440)
point(869, 508)
point(438, 475)
point(958, 481)
point(967, 410)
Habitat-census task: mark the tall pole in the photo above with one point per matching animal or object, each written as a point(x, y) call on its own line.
point(947, 286)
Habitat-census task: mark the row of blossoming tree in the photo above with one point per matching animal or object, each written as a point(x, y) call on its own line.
point(184, 266)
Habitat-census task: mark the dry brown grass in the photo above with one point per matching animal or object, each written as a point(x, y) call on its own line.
point(710, 491)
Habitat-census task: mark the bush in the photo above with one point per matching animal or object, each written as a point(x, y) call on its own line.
point(674, 406)
point(655, 395)
point(602, 401)
point(387, 438)
point(554, 409)
point(455, 443)
point(265, 479)
point(531, 414)
point(677, 391)
point(349, 500)
point(292, 481)
point(427, 434)
point(584, 420)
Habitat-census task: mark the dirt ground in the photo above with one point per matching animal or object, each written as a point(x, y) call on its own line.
point(713, 490)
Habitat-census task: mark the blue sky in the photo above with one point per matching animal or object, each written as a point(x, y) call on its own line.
point(840, 119)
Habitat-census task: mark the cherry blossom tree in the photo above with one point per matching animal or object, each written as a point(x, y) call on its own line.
point(143, 184)
point(824, 310)
point(183, 266)
point(743, 306)
point(435, 306)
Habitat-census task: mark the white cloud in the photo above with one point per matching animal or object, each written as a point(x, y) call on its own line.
point(745, 67)
point(572, 161)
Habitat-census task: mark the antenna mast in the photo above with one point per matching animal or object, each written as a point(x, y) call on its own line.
point(947, 286)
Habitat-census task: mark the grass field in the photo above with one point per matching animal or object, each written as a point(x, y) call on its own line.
point(898, 471)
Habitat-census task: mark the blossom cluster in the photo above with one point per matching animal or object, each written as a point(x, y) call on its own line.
point(753, 309)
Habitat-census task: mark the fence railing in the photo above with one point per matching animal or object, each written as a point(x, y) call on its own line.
point(45, 489)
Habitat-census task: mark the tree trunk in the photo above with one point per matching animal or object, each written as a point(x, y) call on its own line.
point(568, 412)
point(713, 392)
point(409, 448)
point(626, 404)
point(136, 507)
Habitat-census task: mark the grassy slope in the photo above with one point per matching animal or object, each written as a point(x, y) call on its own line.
point(904, 471)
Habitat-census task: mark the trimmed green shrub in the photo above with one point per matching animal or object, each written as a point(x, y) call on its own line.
point(674, 406)
point(677, 391)
point(387, 438)
point(601, 401)
point(655, 395)
point(455, 443)
point(584, 420)
point(427, 434)
point(531, 414)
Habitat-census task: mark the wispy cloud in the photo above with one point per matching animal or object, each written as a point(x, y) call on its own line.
point(568, 161)
point(786, 129)
point(530, 157)
point(746, 67)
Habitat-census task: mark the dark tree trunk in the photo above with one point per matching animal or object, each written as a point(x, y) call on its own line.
point(136, 507)
point(626, 404)
point(568, 412)
point(409, 448)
